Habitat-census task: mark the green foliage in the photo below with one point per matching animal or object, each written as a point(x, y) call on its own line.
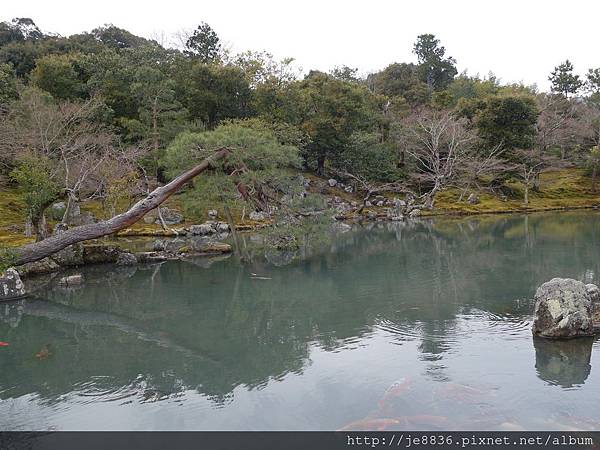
point(261, 68)
point(213, 93)
point(21, 55)
point(434, 69)
point(564, 80)
point(158, 109)
point(593, 157)
point(210, 190)
point(204, 44)
point(285, 133)
point(8, 257)
point(466, 87)
point(60, 75)
point(329, 111)
point(346, 73)
point(253, 149)
point(592, 83)
point(400, 80)
point(8, 85)
point(503, 120)
point(257, 160)
point(110, 76)
point(118, 38)
point(33, 176)
point(366, 156)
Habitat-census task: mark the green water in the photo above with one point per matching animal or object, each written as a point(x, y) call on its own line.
point(442, 308)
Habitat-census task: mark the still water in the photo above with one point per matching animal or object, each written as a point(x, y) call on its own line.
point(399, 326)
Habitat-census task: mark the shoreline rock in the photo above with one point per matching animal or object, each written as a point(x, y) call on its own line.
point(11, 286)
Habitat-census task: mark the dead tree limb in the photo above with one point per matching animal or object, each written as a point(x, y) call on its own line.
point(40, 250)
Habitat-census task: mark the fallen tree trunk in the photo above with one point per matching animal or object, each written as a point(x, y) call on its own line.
point(42, 249)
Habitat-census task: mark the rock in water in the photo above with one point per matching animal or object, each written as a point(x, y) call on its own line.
point(563, 309)
point(11, 285)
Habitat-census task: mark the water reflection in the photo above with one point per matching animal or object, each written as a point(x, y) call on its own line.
point(280, 342)
point(565, 363)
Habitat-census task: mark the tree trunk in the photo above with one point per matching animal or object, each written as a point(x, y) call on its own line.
point(161, 219)
point(67, 216)
point(40, 250)
point(28, 227)
point(402, 158)
point(526, 193)
point(40, 226)
point(320, 165)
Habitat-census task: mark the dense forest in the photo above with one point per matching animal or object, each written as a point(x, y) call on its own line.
point(108, 116)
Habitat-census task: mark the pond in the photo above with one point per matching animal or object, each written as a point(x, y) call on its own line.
point(422, 325)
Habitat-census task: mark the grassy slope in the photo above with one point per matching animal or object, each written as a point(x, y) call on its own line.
point(568, 188)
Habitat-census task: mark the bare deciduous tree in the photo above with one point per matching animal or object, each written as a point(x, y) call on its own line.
point(439, 144)
point(80, 153)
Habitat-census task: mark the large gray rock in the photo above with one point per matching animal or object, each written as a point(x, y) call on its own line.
point(222, 227)
point(57, 210)
point(202, 229)
point(70, 256)
point(11, 285)
point(127, 259)
point(100, 253)
point(46, 265)
point(563, 309)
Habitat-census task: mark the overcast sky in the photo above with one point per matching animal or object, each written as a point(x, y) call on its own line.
point(518, 40)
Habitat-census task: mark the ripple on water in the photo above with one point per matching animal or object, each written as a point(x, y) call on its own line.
point(463, 326)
